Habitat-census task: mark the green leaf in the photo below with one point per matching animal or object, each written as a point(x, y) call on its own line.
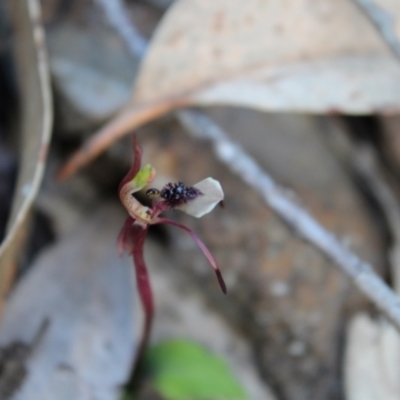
point(183, 370)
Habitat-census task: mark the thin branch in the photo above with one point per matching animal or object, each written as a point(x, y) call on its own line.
point(119, 19)
point(363, 159)
point(366, 164)
point(276, 197)
point(383, 22)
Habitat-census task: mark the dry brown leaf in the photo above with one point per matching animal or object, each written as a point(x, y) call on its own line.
point(36, 122)
point(86, 293)
point(281, 55)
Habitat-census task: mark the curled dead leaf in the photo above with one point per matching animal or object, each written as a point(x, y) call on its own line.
point(36, 123)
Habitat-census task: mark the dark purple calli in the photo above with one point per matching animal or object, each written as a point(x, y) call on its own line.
point(195, 200)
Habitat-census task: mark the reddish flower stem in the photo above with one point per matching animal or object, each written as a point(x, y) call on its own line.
point(144, 287)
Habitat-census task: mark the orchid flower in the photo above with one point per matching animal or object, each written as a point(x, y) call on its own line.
point(196, 200)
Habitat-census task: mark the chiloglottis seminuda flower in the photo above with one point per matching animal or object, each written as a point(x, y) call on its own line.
point(196, 200)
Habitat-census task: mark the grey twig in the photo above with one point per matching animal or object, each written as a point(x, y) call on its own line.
point(366, 164)
point(276, 197)
point(119, 19)
point(383, 22)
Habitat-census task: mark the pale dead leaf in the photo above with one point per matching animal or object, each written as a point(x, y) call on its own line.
point(273, 55)
point(86, 293)
point(280, 55)
point(372, 360)
point(36, 122)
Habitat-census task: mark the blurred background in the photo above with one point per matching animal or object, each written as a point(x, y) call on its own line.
point(309, 90)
